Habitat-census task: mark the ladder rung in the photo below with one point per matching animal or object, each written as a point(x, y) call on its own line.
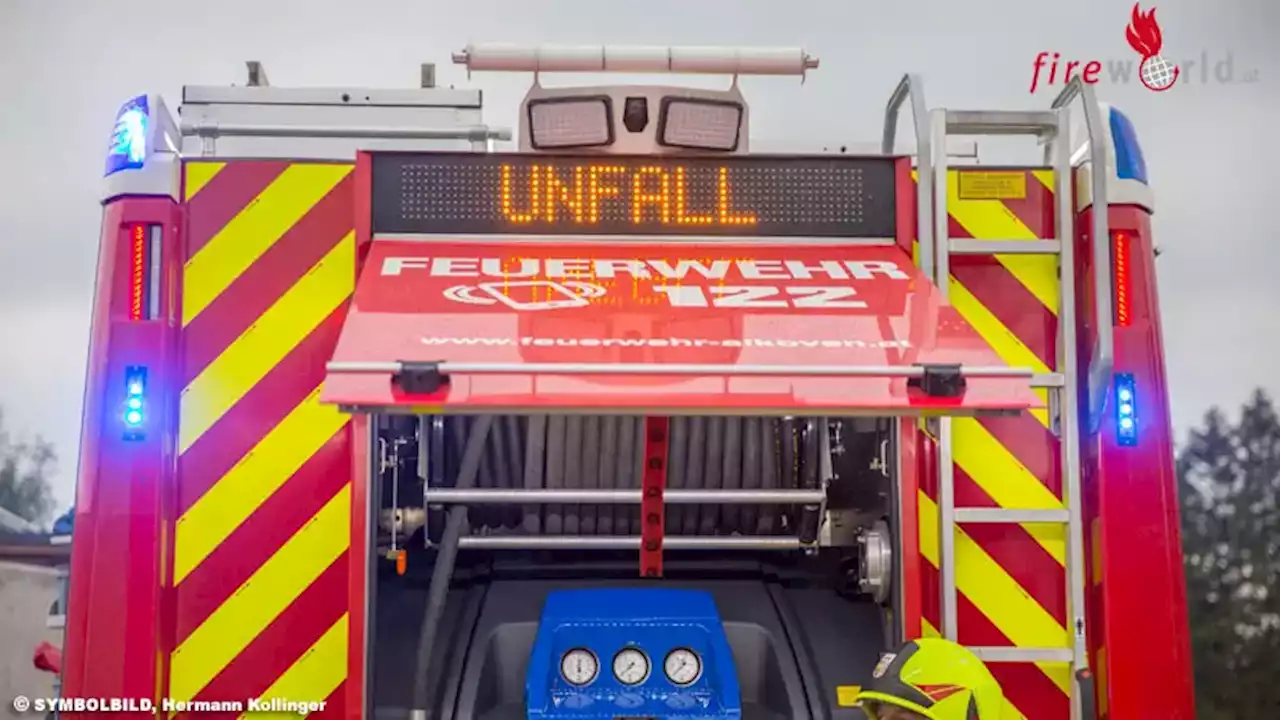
point(1022, 654)
point(1010, 515)
point(1048, 380)
point(965, 246)
point(1001, 122)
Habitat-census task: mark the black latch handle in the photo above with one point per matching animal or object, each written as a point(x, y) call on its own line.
point(939, 380)
point(420, 378)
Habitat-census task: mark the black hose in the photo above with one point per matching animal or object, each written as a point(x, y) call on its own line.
point(609, 476)
point(677, 459)
point(442, 573)
point(534, 451)
point(810, 518)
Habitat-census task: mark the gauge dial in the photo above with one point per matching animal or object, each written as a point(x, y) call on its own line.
point(682, 666)
point(579, 666)
point(631, 666)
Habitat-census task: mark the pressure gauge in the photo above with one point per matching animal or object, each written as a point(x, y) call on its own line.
point(682, 666)
point(631, 666)
point(579, 666)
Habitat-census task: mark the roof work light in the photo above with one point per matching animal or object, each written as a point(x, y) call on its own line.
point(698, 124)
point(571, 122)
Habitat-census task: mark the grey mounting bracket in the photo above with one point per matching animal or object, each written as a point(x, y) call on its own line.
point(257, 74)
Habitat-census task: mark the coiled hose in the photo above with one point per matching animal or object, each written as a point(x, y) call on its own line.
point(604, 452)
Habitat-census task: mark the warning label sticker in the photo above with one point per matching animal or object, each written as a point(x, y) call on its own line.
point(1011, 185)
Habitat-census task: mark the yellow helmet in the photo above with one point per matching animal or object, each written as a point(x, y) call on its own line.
point(935, 678)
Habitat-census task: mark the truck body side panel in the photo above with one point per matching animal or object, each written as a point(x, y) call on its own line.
point(1137, 595)
point(119, 601)
point(261, 562)
point(1011, 578)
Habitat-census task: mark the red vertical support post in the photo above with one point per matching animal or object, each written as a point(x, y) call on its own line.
point(656, 440)
point(914, 450)
point(360, 573)
point(359, 567)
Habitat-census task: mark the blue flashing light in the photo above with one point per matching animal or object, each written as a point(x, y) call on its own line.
point(134, 416)
point(1130, 164)
point(129, 139)
point(1126, 410)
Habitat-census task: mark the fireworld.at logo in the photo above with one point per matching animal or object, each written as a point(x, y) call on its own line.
point(1144, 35)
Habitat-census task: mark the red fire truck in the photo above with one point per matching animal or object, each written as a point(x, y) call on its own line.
point(383, 420)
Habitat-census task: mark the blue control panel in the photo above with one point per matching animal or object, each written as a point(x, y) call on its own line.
point(631, 654)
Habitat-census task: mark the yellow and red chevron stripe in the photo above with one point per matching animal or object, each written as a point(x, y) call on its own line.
point(260, 547)
point(1011, 578)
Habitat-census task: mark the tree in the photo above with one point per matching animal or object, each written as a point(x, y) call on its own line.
point(25, 468)
point(1229, 478)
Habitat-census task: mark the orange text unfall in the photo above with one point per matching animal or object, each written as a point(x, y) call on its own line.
point(648, 194)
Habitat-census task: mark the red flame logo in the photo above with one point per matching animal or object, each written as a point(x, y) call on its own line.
point(1144, 36)
point(1143, 33)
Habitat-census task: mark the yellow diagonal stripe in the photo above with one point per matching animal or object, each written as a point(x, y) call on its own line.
point(1045, 177)
point(261, 599)
point(198, 174)
point(257, 476)
point(1007, 481)
point(285, 324)
point(315, 675)
point(252, 232)
point(991, 220)
point(996, 594)
point(1011, 711)
point(1001, 339)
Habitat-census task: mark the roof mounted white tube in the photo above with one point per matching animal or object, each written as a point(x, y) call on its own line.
point(503, 57)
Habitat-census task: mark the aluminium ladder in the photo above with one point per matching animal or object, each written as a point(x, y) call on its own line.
point(1052, 127)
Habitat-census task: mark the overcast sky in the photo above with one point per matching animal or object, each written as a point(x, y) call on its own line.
point(65, 67)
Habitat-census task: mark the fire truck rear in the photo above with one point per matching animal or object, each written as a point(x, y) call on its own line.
point(630, 423)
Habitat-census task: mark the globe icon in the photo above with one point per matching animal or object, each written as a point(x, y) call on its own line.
point(1157, 73)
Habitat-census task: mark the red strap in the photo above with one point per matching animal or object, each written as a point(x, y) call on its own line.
point(651, 503)
point(47, 658)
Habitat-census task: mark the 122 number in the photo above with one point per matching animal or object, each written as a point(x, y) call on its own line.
point(761, 296)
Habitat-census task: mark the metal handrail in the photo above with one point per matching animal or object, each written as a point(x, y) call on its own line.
point(629, 542)
point(472, 133)
point(1102, 363)
point(514, 368)
point(911, 87)
point(551, 496)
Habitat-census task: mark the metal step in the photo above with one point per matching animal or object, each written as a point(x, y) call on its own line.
point(1011, 516)
point(1021, 655)
point(965, 246)
point(1002, 122)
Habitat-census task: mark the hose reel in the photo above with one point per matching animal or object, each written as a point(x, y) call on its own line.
point(573, 481)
